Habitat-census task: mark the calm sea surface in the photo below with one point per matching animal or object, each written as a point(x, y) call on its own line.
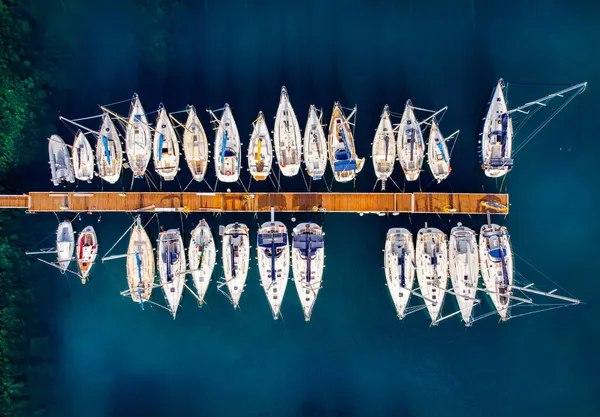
point(110, 358)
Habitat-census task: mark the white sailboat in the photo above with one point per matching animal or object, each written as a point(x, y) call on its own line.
point(236, 258)
point(399, 264)
point(384, 148)
point(438, 157)
point(83, 158)
point(273, 262)
point(432, 269)
point(171, 267)
point(315, 145)
point(60, 162)
point(165, 147)
point(464, 269)
point(109, 153)
point(140, 264)
point(201, 258)
point(260, 150)
point(308, 256)
point(411, 148)
point(288, 142)
point(138, 138)
point(497, 135)
point(86, 250)
point(65, 245)
point(342, 153)
point(227, 151)
point(195, 145)
point(496, 261)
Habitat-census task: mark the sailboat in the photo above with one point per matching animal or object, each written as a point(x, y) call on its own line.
point(384, 148)
point(496, 261)
point(315, 145)
point(288, 142)
point(138, 138)
point(109, 153)
point(87, 250)
point(165, 146)
point(411, 149)
point(497, 135)
point(195, 145)
point(83, 158)
point(60, 162)
point(308, 256)
point(438, 157)
point(342, 153)
point(65, 245)
point(260, 150)
point(227, 149)
point(432, 269)
point(399, 264)
point(171, 267)
point(236, 258)
point(273, 262)
point(464, 269)
point(202, 258)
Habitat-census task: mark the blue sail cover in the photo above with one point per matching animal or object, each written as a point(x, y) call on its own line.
point(343, 161)
point(106, 150)
point(266, 240)
point(308, 243)
point(224, 145)
point(441, 148)
point(161, 140)
point(401, 259)
point(339, 166)
point(498, 254)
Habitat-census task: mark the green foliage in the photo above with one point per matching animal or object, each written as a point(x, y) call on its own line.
point(21, 98)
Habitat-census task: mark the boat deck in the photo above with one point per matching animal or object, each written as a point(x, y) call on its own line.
point(442, 203)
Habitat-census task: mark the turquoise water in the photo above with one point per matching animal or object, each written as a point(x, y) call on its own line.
point(355, 358)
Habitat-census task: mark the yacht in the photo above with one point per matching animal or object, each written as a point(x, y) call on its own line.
point(165, 147)
point(432, 269)
point(236, 257)
point(342, 153)
point(438, 157)
point(399, 264)
point(138, 138)
point(195, 145)
point(86, 250)
point(411, 148)
point(65, 245)
point(60, 162)
point(464, 269)
point(109, 153)
point(384, 148)
point(171, 267)
point(315, 145)
point(202, 258)
point(227, 149)
point(288, 142)
point(497, 134)
point(260, 150)
point(83, 158)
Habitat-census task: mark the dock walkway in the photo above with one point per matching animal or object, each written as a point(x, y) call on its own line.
point(442, 203)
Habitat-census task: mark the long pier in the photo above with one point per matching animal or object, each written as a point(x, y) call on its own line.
point(441, 203)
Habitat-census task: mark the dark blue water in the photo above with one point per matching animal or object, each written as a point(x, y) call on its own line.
point(355, 357)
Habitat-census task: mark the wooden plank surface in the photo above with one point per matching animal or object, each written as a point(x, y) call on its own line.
point(252, 202)
point(14, 201)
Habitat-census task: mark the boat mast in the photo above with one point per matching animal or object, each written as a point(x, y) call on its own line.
point(542, 101)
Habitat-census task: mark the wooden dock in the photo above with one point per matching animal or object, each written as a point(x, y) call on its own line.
point(441, 203)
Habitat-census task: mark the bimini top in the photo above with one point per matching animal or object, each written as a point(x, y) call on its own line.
point(343, 161)
point(308, 243)
point(498, 253)
point(272, 240)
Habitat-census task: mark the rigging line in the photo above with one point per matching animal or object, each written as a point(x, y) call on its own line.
point(188, 184)
point(208, 185)
point(216, 182)
point(551, 84)
point(375, 186)
point(540, 127)
point(43, 240)
point(118, 102)
point(542, 273)
point(304, 179)
point(428, 185)
point(309, 184)
point(502, 183)
point(179, 183)
point(242, 184)
point(394, 182)
point(122, 236)
point(272, 182)
point(250, 182)
point(540, 311)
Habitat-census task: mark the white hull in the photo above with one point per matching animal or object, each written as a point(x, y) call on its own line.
point(496, 155)
point(432, 269)
point(165, 147)
point(342, 153)
point(260, 150)
point(60, 162)
point(202, 258)
point(411, 148)
point(286, 134)
point(138, 138)
point(236, 258)
point(496, 261)
point(399, 264)
point(86, 251)
point(140, 264)
point(438, 157)
point(273, 252)
point(195, 145)
point(171, 267)
point(83, 158)
point(227, 150)
point(315, 146)
point(109, 153)
point(65, 245)
point(464, 269)
point(308, 256)
point(384, 147)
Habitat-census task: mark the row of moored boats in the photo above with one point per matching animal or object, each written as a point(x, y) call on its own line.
point(289, 147)
point(307, 255)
